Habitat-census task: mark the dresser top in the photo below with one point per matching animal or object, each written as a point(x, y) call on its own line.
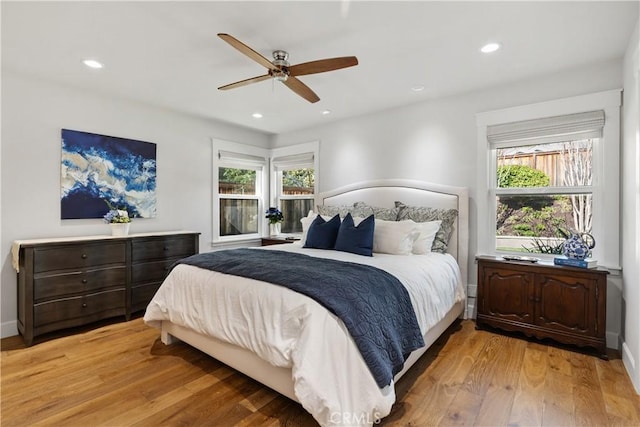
point(17, 244)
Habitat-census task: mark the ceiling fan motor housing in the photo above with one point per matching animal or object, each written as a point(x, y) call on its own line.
point(280, 60)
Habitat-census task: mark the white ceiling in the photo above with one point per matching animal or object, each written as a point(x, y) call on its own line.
point(168, 54)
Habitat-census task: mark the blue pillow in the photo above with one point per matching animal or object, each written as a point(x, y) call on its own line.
point(357, 240)
point(322, 234)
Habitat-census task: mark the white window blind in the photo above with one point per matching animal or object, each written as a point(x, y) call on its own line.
point(547, 130)
point(228, 156)
point(296, 161)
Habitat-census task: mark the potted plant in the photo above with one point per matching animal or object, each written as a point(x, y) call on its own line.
point(275, 217)
point(118, 219)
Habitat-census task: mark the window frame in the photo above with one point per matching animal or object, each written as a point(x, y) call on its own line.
point(605, 188)
point(276, 175)
point(247, 158)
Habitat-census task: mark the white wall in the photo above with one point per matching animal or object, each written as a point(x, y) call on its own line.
point(631, 208)
point(436, 141)
point(33, 114)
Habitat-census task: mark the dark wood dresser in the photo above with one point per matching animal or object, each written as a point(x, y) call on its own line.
point(565, 304)
point(64, 283)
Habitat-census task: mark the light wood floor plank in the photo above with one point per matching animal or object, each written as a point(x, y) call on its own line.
point(120, 374)
point(559, 406)
point(528, 402)
point(588, 399)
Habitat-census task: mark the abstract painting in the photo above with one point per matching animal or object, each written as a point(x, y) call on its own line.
point(100, 171)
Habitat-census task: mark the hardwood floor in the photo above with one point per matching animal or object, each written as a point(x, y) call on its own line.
point(122, 375)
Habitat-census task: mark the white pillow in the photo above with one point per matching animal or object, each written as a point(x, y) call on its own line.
point(428, 230)
point(394, 237)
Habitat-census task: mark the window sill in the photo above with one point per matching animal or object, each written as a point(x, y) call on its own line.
point(233, 244)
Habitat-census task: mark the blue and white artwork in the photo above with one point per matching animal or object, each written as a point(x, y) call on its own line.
point(98, 171)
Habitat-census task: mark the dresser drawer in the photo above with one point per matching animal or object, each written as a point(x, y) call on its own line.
point(78, 256)
point(141, 295)
point(162, 247)
point(80, 282)
point(77, 310)
point(154, 271)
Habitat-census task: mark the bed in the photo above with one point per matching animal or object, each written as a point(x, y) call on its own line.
point(306, 352)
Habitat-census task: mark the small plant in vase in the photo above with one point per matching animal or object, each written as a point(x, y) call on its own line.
point(275, 217)
point(118, 219)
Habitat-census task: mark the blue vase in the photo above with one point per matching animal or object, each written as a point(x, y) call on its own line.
point(576, 245)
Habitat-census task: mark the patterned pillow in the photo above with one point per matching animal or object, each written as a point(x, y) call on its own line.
point(359, 210)
point(332, 211)
point(385, 214)
point(425, 214)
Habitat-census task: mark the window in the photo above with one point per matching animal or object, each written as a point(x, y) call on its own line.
point(546, 166)
point(240, 191)
point(239, 202)
point(543, 180)
point(294, 173)
point(295, 189)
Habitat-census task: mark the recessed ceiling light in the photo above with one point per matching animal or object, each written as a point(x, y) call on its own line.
point(257, 115)
point(91, 63)
point(490, 47)
point(417, 88)
point(325, 112)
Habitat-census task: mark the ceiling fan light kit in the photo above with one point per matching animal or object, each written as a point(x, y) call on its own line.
point(280, 69)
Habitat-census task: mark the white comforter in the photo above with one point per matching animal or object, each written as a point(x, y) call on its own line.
point(290, 330)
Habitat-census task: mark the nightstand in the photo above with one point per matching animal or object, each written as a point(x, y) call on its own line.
point(275, 240)
point(542, 300)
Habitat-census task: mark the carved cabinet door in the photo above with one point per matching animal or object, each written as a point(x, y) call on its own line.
point(507, 294)
point(567, 303)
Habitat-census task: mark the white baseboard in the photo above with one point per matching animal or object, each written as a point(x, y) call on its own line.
point(630, 365)
point(472, 290)
point(9, 329)
point(612, 340)
point(471, 308)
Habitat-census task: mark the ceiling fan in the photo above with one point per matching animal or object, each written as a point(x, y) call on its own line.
point(281, 70)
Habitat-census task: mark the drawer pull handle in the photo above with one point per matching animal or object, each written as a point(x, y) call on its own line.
point(84, 256)
point(84, 304)
point(84, 280)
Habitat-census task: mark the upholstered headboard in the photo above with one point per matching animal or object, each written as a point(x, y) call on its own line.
point(385, 193)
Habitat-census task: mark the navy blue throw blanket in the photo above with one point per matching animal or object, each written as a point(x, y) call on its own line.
point(373, 304)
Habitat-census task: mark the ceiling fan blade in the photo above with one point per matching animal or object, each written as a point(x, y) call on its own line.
point(322, 65)
point(245, 82)
point(247, 51)
point(301, 89)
